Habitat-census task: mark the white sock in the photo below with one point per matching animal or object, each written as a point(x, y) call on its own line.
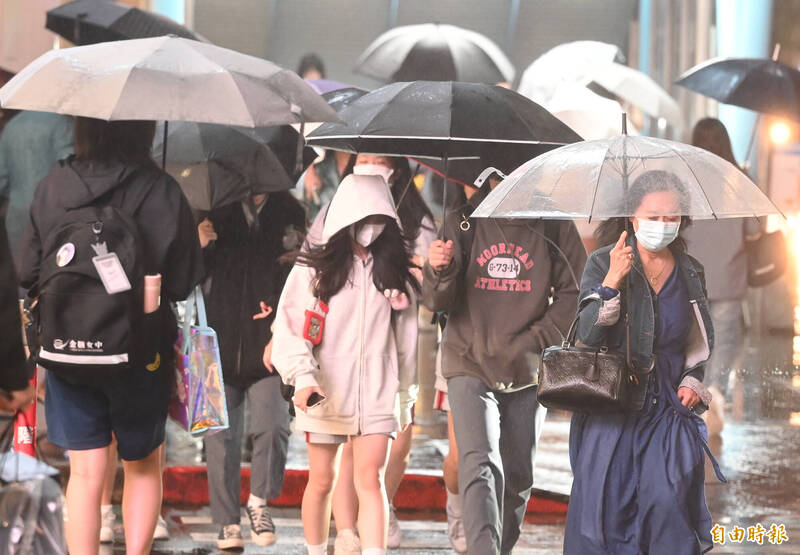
point(373, 551)
point(321, 549)
point(255, 501)
point(105, 509)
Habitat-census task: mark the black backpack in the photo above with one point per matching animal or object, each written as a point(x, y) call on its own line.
point(80, 330)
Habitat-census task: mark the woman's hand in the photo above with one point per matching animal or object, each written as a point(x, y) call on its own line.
point(688, 397)
point(18, 400)
point(621, 262)
point(206, 232)
point(440, 254)
point(301, 396)
point(267, 358)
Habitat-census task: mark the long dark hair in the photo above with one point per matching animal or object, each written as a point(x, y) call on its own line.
point(411, 208)
point(123, 141)
point(710, 134)
point(333, 260)
point(653, 181)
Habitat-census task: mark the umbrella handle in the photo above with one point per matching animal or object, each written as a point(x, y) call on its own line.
point(444, 200)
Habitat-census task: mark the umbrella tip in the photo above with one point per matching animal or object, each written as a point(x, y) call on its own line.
point(624, 123)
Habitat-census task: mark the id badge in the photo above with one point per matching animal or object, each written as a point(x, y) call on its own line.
point(111, 273)
point(315, 324)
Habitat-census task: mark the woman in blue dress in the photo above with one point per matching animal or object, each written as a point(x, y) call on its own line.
point(639, 475)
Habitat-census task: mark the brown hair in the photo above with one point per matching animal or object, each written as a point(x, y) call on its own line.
point(129, 142)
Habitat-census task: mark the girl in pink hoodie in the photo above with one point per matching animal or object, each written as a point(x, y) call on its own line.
point(346, 331)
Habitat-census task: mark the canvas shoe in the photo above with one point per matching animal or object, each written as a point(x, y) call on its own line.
point(230, 537)
point(262, 529)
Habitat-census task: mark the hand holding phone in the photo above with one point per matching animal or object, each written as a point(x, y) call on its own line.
point(315, 399)
point(308, 397)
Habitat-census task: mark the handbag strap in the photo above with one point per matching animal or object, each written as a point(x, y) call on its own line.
point(195, 306)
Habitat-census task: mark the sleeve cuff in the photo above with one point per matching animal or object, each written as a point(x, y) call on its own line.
point(305, 380)
point(697, 386)
point(609, 311)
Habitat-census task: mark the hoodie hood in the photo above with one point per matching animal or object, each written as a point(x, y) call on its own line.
point(357, 197)
point(82, 182)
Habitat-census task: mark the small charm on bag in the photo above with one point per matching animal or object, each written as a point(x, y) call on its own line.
point(315, 322)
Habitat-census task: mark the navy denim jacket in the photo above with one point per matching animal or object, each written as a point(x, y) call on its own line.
point(602, 323)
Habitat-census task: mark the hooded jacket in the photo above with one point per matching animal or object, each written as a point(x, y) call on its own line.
point(243, 269)
point(168, 235)
point(366, 363)
point(497, 292)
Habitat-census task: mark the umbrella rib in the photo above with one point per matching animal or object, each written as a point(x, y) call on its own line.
point(597, 184)
point(702, 190)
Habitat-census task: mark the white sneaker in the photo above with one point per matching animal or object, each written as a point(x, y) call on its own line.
point(395, 534)
point(107, 522)
point(455, 524)
point(161, 532)
point(346, 543)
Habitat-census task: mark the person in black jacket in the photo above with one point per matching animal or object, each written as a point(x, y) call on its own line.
point(112, 159)
point(16, 392)
point(243, 243)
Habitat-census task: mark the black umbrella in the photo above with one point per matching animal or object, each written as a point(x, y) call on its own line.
point(216, 165)
point(444, 120)
point(435, 52)
point(91, 21)
point(765, 86)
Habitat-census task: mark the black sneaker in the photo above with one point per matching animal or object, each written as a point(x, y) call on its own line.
point(262, 529)
point(230, 537)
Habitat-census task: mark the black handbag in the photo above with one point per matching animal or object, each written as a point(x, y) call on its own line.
point(766, 259)
point(586, 379)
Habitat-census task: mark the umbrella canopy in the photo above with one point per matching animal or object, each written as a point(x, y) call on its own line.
point(568, 63)
point(591, 115)
point(591, 180)
point(762, 85)
point(91, 21)
point(429, 119)
point(638, 89)
point(435, 52)
point(216, 165)
point(164, 78)
point(336, 99)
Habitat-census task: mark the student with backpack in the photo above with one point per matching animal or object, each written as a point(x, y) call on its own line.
point(496, 280)
point(100, 222)
point(346, 337)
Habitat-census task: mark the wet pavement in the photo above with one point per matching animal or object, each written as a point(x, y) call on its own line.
point(758, 452)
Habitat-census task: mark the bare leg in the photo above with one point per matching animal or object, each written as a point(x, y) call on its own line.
point(370, 454)
point(316, 508)
point(141, 502)
point(111, 472)
point(345, 501)
point(450, 462)
point(398, 461)
point(84, 491)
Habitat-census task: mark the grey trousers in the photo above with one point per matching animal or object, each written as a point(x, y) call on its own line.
point(496, 439)
point(727, 318)
point(269, 424)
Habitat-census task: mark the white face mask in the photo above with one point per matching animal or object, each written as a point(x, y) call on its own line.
point(367, 233)
point(654, 235)
point(374, 169)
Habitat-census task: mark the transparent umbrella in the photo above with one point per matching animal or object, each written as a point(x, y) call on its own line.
point(591, 180)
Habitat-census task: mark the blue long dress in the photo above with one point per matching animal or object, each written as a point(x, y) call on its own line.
point(639, 476)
